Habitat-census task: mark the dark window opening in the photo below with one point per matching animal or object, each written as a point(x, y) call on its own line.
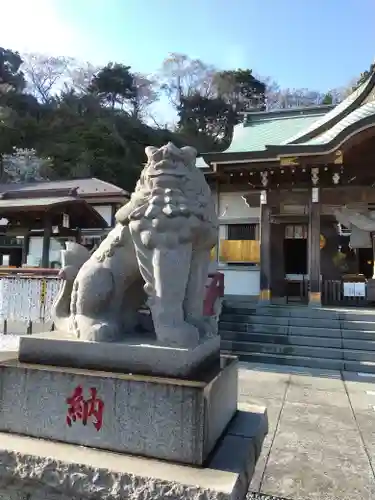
point(365, 262)
point(295, 254)
point(242, 232)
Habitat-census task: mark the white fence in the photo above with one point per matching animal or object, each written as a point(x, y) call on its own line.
point(27, 298)
point(26, 301)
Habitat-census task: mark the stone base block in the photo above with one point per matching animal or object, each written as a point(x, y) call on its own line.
point(171, 419)
point(131, 356)
point(36, 469)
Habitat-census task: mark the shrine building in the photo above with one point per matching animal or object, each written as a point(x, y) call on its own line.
point(38, 218)
point(279, 188)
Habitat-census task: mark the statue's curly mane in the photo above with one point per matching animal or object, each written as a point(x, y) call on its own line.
point(108, 247)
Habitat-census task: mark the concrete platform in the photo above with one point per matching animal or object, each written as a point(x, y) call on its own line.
point(137, 355)
point(35, 469)
point(171, 419)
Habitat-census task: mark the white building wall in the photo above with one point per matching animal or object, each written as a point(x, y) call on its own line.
point(106, 212)
point(241, 281)
point(233, 206)
point(238, 280)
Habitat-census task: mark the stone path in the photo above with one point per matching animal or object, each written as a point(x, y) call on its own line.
point(321, 444)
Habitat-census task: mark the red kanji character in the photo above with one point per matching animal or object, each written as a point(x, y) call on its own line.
point(76, 404)
point(93, 407)
point(81, 409)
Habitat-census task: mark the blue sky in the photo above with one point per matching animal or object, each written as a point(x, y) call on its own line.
point(316, 44)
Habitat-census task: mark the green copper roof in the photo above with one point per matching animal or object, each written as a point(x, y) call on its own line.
point(331, 115)
point(200, 163)
point(264, 128)
point(355, 116)
point(267, 135)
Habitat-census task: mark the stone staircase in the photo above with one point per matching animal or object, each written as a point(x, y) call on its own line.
point(325, 338)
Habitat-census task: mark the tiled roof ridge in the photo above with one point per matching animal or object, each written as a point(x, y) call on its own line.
point(52, 185)
point(281, 116)
point(339, 112)
point(294, 111)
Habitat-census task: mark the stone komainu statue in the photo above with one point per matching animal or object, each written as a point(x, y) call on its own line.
point(164, 237)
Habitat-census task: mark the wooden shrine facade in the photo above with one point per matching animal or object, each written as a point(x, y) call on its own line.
point(303, 195)
point(300, 182)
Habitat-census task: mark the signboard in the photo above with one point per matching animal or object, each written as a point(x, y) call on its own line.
point(288, 161)
point(339, 159)
point(354, 289)
point(65, 221)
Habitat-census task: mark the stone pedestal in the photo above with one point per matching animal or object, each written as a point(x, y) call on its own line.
point(77, 433)
point(171, 419)
point(37, 469)
point(135, 355)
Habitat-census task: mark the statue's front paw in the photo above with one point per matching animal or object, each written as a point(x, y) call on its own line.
point(182, 335)
point(101, 332)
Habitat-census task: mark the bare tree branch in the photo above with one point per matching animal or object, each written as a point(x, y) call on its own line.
point(45, 75)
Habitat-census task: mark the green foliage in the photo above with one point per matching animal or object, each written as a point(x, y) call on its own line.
point(241, 90)
point(209, 119)
point(10, 72)
point(114, 84)
point(364, 76)
point(88, 121)
point(93, 132)
point(327, 99)
point(206, 121)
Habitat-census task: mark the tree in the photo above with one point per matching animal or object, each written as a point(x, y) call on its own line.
point(80, 77)
point(92, 122)
point(145, 95)
point(23, 165)
point(241, 90)
point(114, 85)
point(11, 75)
point(363, 77)
point(204, 121)
point(45, 75)
point(208, 115)
point(87, 123)
point(279, 98)
point(181, 77)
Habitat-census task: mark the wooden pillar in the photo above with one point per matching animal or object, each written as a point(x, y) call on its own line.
point(25, 248)
point(265, 249)
point(46, 240)
point(217, 256)
point(314, 248)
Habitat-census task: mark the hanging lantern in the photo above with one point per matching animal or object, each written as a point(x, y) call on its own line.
point(322, 242)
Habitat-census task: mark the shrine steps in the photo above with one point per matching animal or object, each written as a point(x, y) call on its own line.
point(325, 338)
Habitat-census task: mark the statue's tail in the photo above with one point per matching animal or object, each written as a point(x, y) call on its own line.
point(73, 259)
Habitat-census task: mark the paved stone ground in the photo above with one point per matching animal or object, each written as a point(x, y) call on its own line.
point(8, 342)
point(321, 444)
